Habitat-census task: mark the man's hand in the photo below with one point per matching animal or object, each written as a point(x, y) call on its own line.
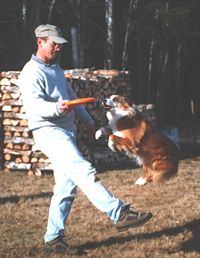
point(63, 107)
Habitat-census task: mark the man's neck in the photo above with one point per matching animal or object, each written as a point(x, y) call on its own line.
point(44, 59)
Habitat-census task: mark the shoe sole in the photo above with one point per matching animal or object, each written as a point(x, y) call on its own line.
point(121, 229)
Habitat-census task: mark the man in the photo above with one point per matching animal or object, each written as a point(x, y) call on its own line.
point(44, 91)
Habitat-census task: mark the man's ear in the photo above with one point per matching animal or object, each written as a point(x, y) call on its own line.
point(39, 41)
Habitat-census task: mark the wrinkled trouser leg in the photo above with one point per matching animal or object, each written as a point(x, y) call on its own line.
point(71, 170)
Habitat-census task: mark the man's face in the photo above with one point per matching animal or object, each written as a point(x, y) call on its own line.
point(48, 50)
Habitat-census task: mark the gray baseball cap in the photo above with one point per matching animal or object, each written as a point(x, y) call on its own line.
point(50, 31)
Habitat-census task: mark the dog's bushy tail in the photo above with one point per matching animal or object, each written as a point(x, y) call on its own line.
point(164, 171)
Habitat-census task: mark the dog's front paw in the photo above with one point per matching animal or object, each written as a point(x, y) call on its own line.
point(141, 181)
point(111, 145)
point(138, 161)
point(99, 133)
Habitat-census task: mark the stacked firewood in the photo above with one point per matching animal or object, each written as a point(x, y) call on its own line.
point(17, 141)
point(19, 150)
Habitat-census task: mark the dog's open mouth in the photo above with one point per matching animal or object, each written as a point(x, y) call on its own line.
point(107, 107)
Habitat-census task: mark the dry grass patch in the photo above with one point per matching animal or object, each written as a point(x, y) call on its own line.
point(173, 232)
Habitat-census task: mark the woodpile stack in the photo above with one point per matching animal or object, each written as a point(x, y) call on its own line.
point(17, 144)
point(17, 141)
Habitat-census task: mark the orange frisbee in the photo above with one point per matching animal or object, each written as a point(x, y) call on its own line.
point(75, 102)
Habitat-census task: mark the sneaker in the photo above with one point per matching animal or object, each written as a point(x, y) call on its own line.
point(131, 218)
point(58, 245)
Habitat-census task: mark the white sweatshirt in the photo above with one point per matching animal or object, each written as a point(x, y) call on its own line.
point(42, 86)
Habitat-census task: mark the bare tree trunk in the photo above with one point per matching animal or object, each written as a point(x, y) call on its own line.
point(35, 13)
point(75, 48)
point(51, 6)
point(149, 78)
point(162, 85)
point(108, 63)
point(79, 35)
point(151, 51)
point(24, 13)
point(31, 18)
point(127, 34)
point(178, 79)
point(159, 95)
point(140, 77)
point(139, 53)
point(82, 31)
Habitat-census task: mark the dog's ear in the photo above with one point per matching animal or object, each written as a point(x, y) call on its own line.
point(128, 100)
point(131, 104)
point(133, 110)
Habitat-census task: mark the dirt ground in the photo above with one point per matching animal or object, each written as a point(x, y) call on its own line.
point(174, 230)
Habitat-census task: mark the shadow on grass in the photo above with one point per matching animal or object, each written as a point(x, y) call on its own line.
point(17, 198)
point(189, 150)
point(191, 245)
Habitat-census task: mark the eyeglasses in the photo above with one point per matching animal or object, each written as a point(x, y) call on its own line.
point(54, 44)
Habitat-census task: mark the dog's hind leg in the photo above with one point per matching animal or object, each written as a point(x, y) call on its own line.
point(145, 179)
point(141, 181)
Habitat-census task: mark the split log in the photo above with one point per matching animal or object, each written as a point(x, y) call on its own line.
point(5, 81)
point(6, 96)
point(14, 115)
point(17, 134)
point(26, 147)
point(8, 133)
point(34, 160)
point(15, 95)
point(23, 122)
point(8, 146)
point(15, 128)
point(10, 74)
point(17, 147)
point(25, 159)
point(25, 134)
point(19, 140)
point(18, 160)
point(17, 166)
point(11, 102)
point(6, 108)
point(18, 152)
point(14, 81)
point(7, 156)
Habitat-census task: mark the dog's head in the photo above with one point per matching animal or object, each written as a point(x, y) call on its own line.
point(117, 106)
point(118, 103)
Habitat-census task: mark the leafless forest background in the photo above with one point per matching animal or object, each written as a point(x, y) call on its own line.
point(157, 41)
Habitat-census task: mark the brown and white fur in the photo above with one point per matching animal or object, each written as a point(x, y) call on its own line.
point(132, 132)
